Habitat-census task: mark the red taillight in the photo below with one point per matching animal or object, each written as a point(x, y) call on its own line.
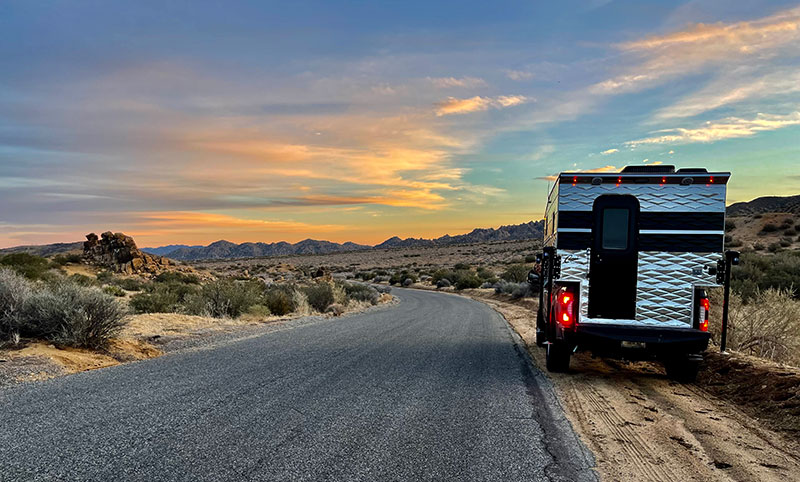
point(705, 307)
point(565, 313)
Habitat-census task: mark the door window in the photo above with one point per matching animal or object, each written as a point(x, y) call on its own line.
point(615, 228)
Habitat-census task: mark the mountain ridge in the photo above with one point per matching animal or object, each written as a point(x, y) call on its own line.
point(224, 249)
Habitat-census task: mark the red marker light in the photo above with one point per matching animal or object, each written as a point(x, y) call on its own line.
point(663, 180)
point(619, 180)
point(574, 180)
point(711, 180)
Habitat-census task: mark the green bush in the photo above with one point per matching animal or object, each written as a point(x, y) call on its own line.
point(72, 315)
point(114, 291)
point(226, 298)
point(83, 280)
point(28, 265)
point(531, 258)
point(462, 266)
point(129, 284)
point(104, 277)
point(259, 311)
point(320, 296)
point(762, 272)
point(177, 277)
point(63, 259)
point(162, 297)
point(359, 292)
point(769, 228)
point(516, 273)
point(280, 300)
point(466, 280)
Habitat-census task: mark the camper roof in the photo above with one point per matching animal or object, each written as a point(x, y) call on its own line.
point(640, 174)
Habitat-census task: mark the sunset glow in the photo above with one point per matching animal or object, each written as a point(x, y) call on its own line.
point(192, 122)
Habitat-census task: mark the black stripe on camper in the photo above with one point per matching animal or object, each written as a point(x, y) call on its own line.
point(676, 243)
point(696, 221)
point(681, 243)
point(574, 240)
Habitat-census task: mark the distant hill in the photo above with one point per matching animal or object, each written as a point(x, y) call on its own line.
point(227, 250)
point(766, 204)
point(162, 250)
point(46, 249)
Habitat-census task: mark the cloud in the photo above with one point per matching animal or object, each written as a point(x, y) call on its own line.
point(609, 151)
point(519, 75)
point(685, 51)
point(449, 82)
point(729, 128)
point(737, 87)
point(475, 104)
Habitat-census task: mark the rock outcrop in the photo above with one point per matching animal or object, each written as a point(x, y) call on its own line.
point(118, 253)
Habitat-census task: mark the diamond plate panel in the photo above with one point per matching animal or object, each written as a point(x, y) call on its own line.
point(575, 267)
point(652, 197)
point(665, 285)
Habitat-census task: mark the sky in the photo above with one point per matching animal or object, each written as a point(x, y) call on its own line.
point(193, 121)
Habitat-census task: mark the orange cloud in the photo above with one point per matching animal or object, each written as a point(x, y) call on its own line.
point(478, 103)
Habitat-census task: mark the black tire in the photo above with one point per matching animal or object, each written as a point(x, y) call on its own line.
point(682, 370)
point(540, 329)
point(558, 355)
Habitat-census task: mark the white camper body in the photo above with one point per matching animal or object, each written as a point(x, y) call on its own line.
point(633, 253)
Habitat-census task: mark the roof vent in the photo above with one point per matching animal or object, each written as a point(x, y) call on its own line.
point(661, 169)
point(693, 170)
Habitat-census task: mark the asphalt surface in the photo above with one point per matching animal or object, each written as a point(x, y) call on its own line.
point(436, 387)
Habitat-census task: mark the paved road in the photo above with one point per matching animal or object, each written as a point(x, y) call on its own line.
point(434, 388)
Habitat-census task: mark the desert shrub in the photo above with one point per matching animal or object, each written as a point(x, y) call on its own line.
point(442, 273)
point(72, 315)
point(758, 216)
point(259, 311)
point(516, 273)
point(225, 298)
point(380, 279)
point(462, 266)
point(359, 292)
point(114, 291)
point(176, 277)
point(466, 280)
point(63, 259)
point(769, 228)
point(320, 296)
point(443, 283)
point(485, 274)
point(785, 242)
point(730, 225)
point(505, 287)
point(530, 258)
point(104, 277)
point(162, 297)
point(280, 299)
point(790, 232)
point(767, 326)
point(401, 277)
point(781, 272)
point(129, 284)
point(728, 238)
point(408, 282)
point(365, 275)
point(734, 243)
point(28, 265)
point(382, 289)
point(758, 247)
point(14, 293)
point(522, 290)
point(83, 280)
point(774, 247)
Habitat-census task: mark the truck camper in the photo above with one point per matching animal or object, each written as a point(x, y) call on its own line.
point(627, 259)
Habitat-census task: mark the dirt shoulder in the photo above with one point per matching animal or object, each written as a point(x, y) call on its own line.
point(147, 336)
point(730, 425)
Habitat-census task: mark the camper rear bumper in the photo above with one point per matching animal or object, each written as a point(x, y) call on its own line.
point(646, 340)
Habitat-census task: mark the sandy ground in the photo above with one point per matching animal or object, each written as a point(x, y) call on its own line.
point(642, 426)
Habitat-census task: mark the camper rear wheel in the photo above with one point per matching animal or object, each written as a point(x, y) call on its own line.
point(558, 355)
point(683, 370)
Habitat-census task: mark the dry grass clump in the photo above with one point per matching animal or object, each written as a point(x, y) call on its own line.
point(766, 326)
